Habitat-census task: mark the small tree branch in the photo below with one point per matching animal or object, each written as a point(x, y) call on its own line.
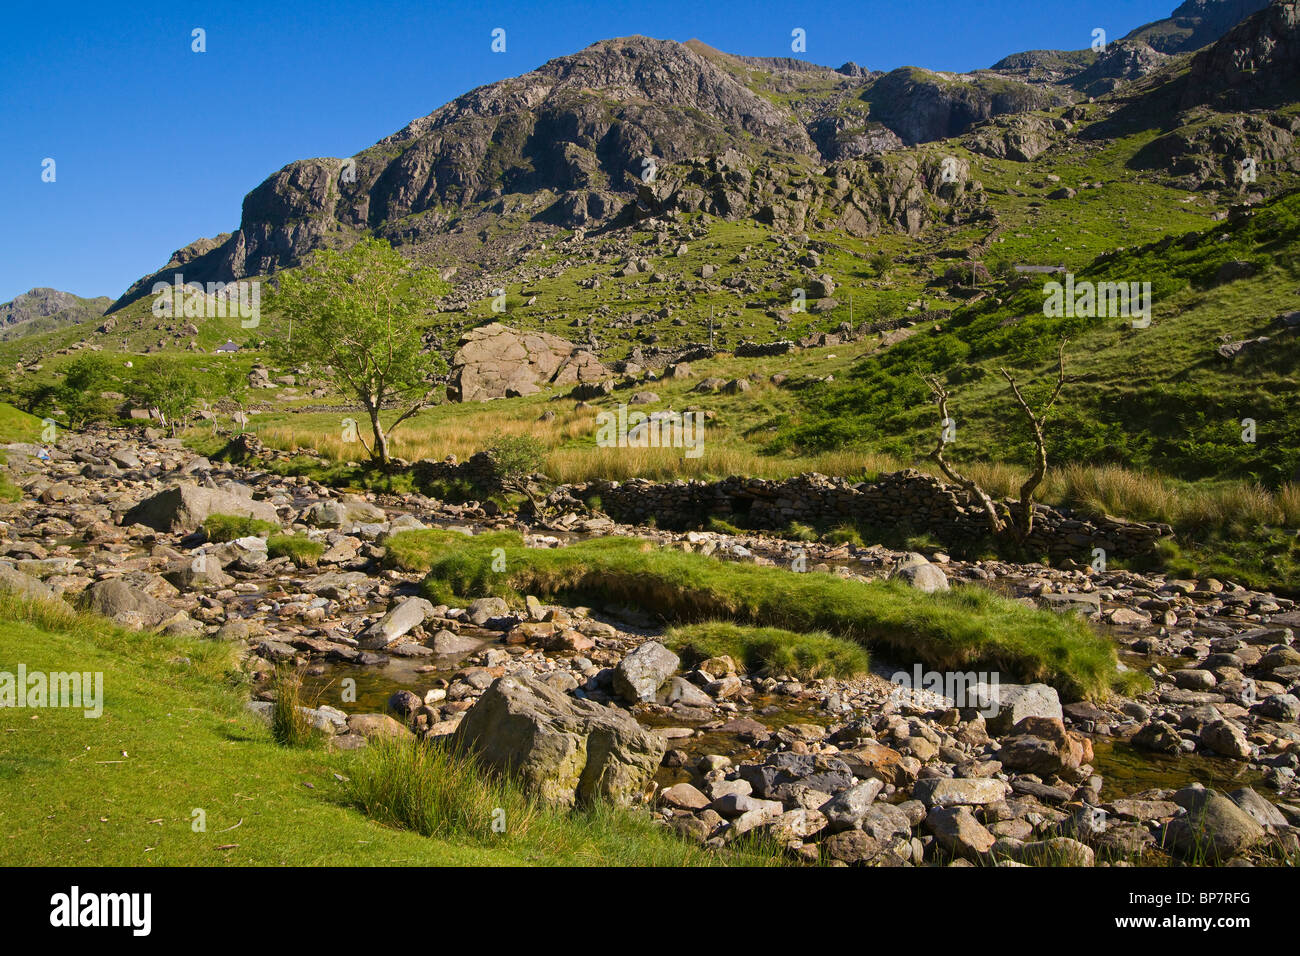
point(940, 393)
point(1025, 522)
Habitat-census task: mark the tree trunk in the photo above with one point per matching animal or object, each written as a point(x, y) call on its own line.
point(379, 451)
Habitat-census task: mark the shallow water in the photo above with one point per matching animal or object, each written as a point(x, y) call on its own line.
point(1125, 770)
point(374, 685)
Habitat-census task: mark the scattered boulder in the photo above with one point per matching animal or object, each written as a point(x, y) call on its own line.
point(126, 605)
point(1011, 703)
point(185, 507)
point(1213, 828)
point(641, 673)
point(564, 750)
point(409, 614)
point(11, 579)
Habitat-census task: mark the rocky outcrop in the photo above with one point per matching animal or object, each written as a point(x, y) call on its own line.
point(1194, 24)
point(841, 137)
point(921, 106)
point(564, 750)
point(496, 361)
point(1021, 138)
point(1122, 61)
point(1255, 64)
point(1211, 148)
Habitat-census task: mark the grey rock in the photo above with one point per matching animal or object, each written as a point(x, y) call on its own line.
point(562, 749)
point(641, 673)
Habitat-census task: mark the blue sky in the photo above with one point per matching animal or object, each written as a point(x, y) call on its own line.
point(155, 145)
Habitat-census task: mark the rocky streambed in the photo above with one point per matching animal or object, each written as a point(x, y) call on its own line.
point(588, 703)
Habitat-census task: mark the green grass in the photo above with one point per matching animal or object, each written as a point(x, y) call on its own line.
point(229, 527)
point(769, 650)
point(431, 789)
point(962, 629)
point(1156, 398)
point(290, 726)
point(18, 426)
point(299, 548)
point(121, 790)
point(8, 490)
point(843, 534)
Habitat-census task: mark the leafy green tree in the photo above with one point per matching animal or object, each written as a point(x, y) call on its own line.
point(169, 386)
point(515, 459)
point(81, 394)
point(357, 317)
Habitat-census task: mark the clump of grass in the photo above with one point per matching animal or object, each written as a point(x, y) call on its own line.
point(434, 790)
point(229, 527)
point(299, 548)
point(431, 789)
point(954, 630)
point(417, 550)
point(798, 531)
point(922, 542)
point(290, 725)
point(844, 534)
point(770, 650)
point(721, 526)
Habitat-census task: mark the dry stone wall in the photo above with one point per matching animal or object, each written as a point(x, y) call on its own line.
point(902, 499)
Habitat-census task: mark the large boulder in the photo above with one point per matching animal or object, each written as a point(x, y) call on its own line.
point(126, 605)
point(1012, 703)
point(1213, 830)
point(23, 584)
point(342, 514)
point(496, 361)
point(960, 791)
point(564, 750)
point(926, 578)
point(185, 507)
point(401, 618)
point(957, 831)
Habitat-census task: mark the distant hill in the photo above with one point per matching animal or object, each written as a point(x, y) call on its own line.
point(43, 310)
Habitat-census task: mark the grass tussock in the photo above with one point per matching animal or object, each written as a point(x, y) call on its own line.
point(298, 548)
point(222, 528)
point(433, 790)
point(290, 725)
point(769, 650)
point(954, 630)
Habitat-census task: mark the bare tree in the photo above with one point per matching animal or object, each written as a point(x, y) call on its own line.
point(1002, 522)
point(1037, 419)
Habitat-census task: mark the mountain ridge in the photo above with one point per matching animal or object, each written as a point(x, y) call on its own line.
point(583, 137)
